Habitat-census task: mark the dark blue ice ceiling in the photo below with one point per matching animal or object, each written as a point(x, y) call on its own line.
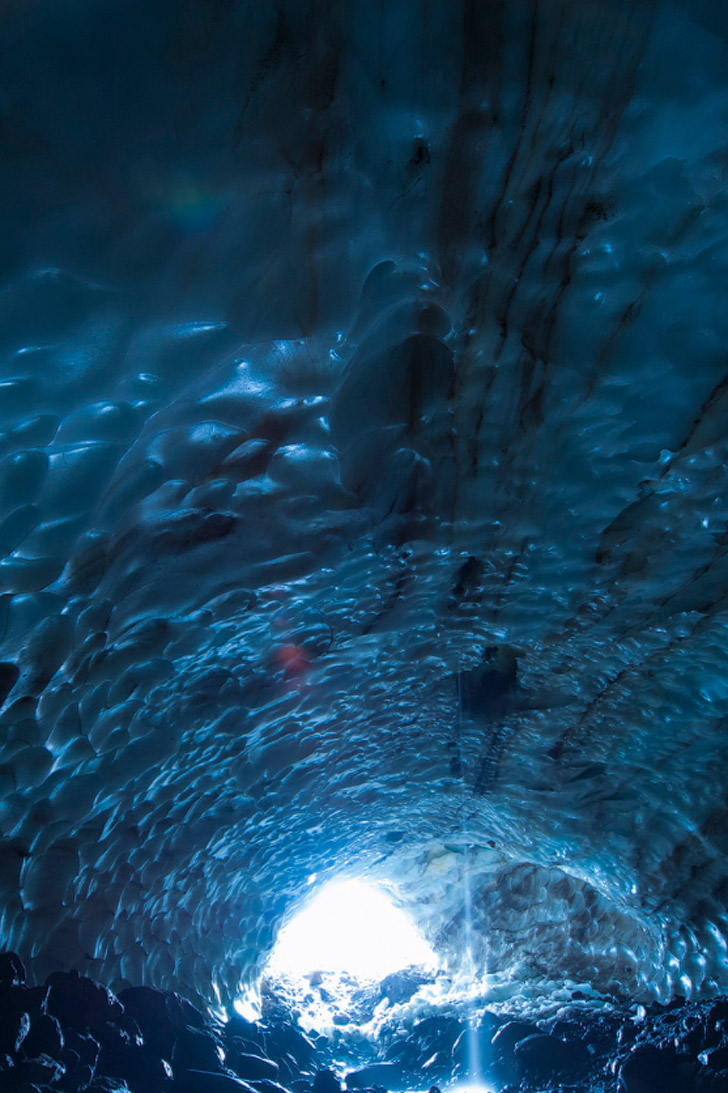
point(352, 351)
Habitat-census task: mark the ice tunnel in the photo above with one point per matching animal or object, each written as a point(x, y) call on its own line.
point(363, 498)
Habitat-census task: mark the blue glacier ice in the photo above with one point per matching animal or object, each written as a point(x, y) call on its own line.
point(355, 357)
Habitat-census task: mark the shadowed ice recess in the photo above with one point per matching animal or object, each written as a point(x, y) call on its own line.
point(359, 362)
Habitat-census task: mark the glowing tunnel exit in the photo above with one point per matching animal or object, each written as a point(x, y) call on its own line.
point(350, 927)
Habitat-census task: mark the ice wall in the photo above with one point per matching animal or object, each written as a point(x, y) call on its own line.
point(356, 357)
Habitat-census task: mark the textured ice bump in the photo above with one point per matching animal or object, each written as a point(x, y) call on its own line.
point(343, 353)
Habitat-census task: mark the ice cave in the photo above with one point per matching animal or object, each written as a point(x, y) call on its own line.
point(364, 530)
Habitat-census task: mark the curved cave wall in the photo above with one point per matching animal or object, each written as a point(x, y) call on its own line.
point(362, 482)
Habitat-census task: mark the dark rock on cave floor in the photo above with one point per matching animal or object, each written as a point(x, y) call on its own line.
point(72, 1035)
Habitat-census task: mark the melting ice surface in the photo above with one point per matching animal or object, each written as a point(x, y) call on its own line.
point(281, 456)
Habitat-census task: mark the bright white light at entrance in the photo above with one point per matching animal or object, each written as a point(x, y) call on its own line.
point(349, 927)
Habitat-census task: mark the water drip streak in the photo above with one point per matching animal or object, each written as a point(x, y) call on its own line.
point(474, 1064)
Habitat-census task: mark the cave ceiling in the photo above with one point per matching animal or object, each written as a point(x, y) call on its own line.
point(363, 501)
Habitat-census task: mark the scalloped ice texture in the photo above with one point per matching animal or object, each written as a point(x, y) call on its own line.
point(341, 344)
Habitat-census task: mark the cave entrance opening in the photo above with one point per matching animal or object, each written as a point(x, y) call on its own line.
point(349, 952)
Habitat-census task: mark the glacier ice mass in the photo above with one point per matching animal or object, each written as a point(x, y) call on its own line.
point(363, 500)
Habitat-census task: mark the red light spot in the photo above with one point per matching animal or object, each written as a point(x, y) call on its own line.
point(292, 659)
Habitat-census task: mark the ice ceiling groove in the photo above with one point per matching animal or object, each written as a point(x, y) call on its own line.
point(355, 356)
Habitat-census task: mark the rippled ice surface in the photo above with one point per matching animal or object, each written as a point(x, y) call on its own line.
point(327, 401)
